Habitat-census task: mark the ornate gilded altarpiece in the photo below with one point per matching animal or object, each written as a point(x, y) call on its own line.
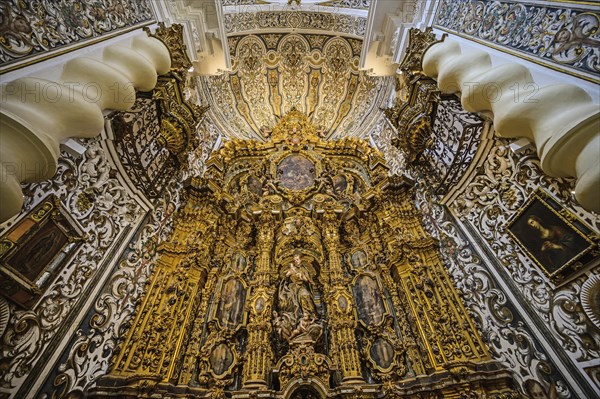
point(298, 268)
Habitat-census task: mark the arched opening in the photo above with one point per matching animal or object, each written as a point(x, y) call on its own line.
point(305, 392)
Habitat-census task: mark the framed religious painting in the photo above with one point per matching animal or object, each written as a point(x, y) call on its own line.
point(553, 237)
point(35, 249)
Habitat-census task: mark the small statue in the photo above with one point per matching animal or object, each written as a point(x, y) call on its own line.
point(297, 318)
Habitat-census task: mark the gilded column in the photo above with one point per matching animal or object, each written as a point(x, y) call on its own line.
point(342, 322)
point(259, 351)
point(405, 319)
point(447, 330)
point(194, 345)
point(159, 332)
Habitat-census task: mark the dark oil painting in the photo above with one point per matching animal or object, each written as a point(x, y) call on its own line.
point(221, 359)
point(548, 238)
point(369, 302)
point(31, 259)
point(296, 172)
point(382, 353)
point(231, 304)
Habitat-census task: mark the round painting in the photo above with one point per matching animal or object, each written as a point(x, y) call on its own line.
point(296, 173)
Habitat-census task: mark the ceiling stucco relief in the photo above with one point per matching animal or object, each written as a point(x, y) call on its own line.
point(273, 73)
point(358, 4)
point(269, 21)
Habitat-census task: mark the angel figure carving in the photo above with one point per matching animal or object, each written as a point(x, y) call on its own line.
point(297, 319)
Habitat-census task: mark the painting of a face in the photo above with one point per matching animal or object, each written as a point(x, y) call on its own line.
point(259, 305)
point(296, 172)
point(358, 259)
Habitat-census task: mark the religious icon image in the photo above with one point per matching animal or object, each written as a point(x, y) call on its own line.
point(368, 300)
point(296, 318)
point(535, 390)
point(255, 186)
point(34, 250)
point(342, 303)
point(358, 260)
point(548, 238)
point(231, 304)
point(296, 173)
point(31, 260)
point(339, 184)
point(259, 305)
point(382, 353)
point(238, 262)
point(221, 359)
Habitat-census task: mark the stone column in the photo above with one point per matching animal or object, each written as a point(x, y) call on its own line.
point(565, 132)
point(36, 114)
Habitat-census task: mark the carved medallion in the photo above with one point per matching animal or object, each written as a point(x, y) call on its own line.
point(382, 353)
point(296, 173)
point(221, 359)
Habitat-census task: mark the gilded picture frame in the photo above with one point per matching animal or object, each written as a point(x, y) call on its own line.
point(230, 302)
point(556, 240)
point(371, 305)
point(35, 249)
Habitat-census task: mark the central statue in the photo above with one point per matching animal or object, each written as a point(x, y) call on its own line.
point(297, 319)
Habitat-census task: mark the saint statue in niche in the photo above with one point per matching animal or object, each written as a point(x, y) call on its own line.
point(297, 319)
point(368, 300)
point(231, 304)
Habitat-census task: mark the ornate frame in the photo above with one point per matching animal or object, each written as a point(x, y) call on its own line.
point(564, 221)
point(47, 215)
point(234, 363)
point(215, 308)
point(375, 276)
point(358, 248)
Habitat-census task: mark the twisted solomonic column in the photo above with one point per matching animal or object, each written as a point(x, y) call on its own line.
point(562, 120)
point(37, 114)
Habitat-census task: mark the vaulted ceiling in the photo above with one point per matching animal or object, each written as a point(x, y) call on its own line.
point(304, 56)
point(275, 72)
